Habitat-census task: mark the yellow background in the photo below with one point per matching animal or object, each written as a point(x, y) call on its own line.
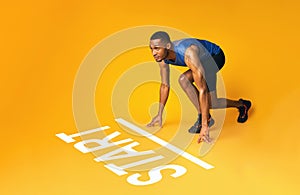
point(44, 42)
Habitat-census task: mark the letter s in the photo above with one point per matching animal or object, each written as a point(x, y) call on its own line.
point(155, 175)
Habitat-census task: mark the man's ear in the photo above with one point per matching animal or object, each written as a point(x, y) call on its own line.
point(168, 46)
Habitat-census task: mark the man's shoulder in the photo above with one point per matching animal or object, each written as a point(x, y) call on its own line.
point(191, 50)
point(184, 40)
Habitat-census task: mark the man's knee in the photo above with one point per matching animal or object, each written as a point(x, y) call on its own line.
point(183, 81)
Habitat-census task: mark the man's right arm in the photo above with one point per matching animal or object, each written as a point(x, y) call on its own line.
point(164, 92)
point(164, 86)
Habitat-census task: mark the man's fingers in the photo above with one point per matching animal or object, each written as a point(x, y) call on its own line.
point(150, 124)
point(154, 122)
point(199, 140)
point(204, 138)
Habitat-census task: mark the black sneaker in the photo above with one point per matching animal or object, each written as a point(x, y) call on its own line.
point(196, 128)
point(243, 116)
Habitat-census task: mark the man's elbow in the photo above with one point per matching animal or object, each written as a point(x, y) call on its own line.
point(203, 89)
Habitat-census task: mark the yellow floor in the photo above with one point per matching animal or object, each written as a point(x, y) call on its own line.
point(44, 43)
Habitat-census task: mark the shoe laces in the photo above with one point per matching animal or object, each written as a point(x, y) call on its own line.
point(199, 120)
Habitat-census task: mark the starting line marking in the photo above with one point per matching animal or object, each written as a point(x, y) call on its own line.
point(165, 144)
point(69, 138)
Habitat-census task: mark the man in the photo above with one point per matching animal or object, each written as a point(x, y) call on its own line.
point(204, 59)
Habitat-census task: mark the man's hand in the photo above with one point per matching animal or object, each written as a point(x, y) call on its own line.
point(204, 135)
point(156, 120)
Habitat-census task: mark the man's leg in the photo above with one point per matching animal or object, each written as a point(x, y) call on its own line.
point(222, 102)
point(242, 105)
point(186, 82)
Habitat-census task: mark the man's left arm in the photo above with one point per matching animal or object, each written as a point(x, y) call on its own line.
point(192, 60)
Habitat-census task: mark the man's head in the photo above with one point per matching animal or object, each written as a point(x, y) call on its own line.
point(160, 44)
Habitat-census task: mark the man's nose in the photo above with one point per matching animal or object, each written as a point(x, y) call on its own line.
point(154, 53)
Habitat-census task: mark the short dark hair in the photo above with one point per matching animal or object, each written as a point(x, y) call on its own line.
point(161, 35)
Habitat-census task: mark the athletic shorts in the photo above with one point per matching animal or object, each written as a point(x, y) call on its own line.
point(211, 69)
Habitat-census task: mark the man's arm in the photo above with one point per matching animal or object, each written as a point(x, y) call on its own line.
point(164, 93)
point(192, 60)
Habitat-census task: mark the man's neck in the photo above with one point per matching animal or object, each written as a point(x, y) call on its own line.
point(172, 55)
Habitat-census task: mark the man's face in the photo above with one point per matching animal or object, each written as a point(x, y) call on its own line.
point(159, 50)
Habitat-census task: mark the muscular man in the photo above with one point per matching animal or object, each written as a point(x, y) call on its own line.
point(204, 59)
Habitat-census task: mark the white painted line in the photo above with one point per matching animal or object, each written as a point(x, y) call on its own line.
point(165, 144)
point(89, 131)
point(69, 138)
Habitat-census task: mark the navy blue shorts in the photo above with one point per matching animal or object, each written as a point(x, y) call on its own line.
point(211, 72)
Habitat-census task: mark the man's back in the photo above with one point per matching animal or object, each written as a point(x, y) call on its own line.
point(180, 46)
